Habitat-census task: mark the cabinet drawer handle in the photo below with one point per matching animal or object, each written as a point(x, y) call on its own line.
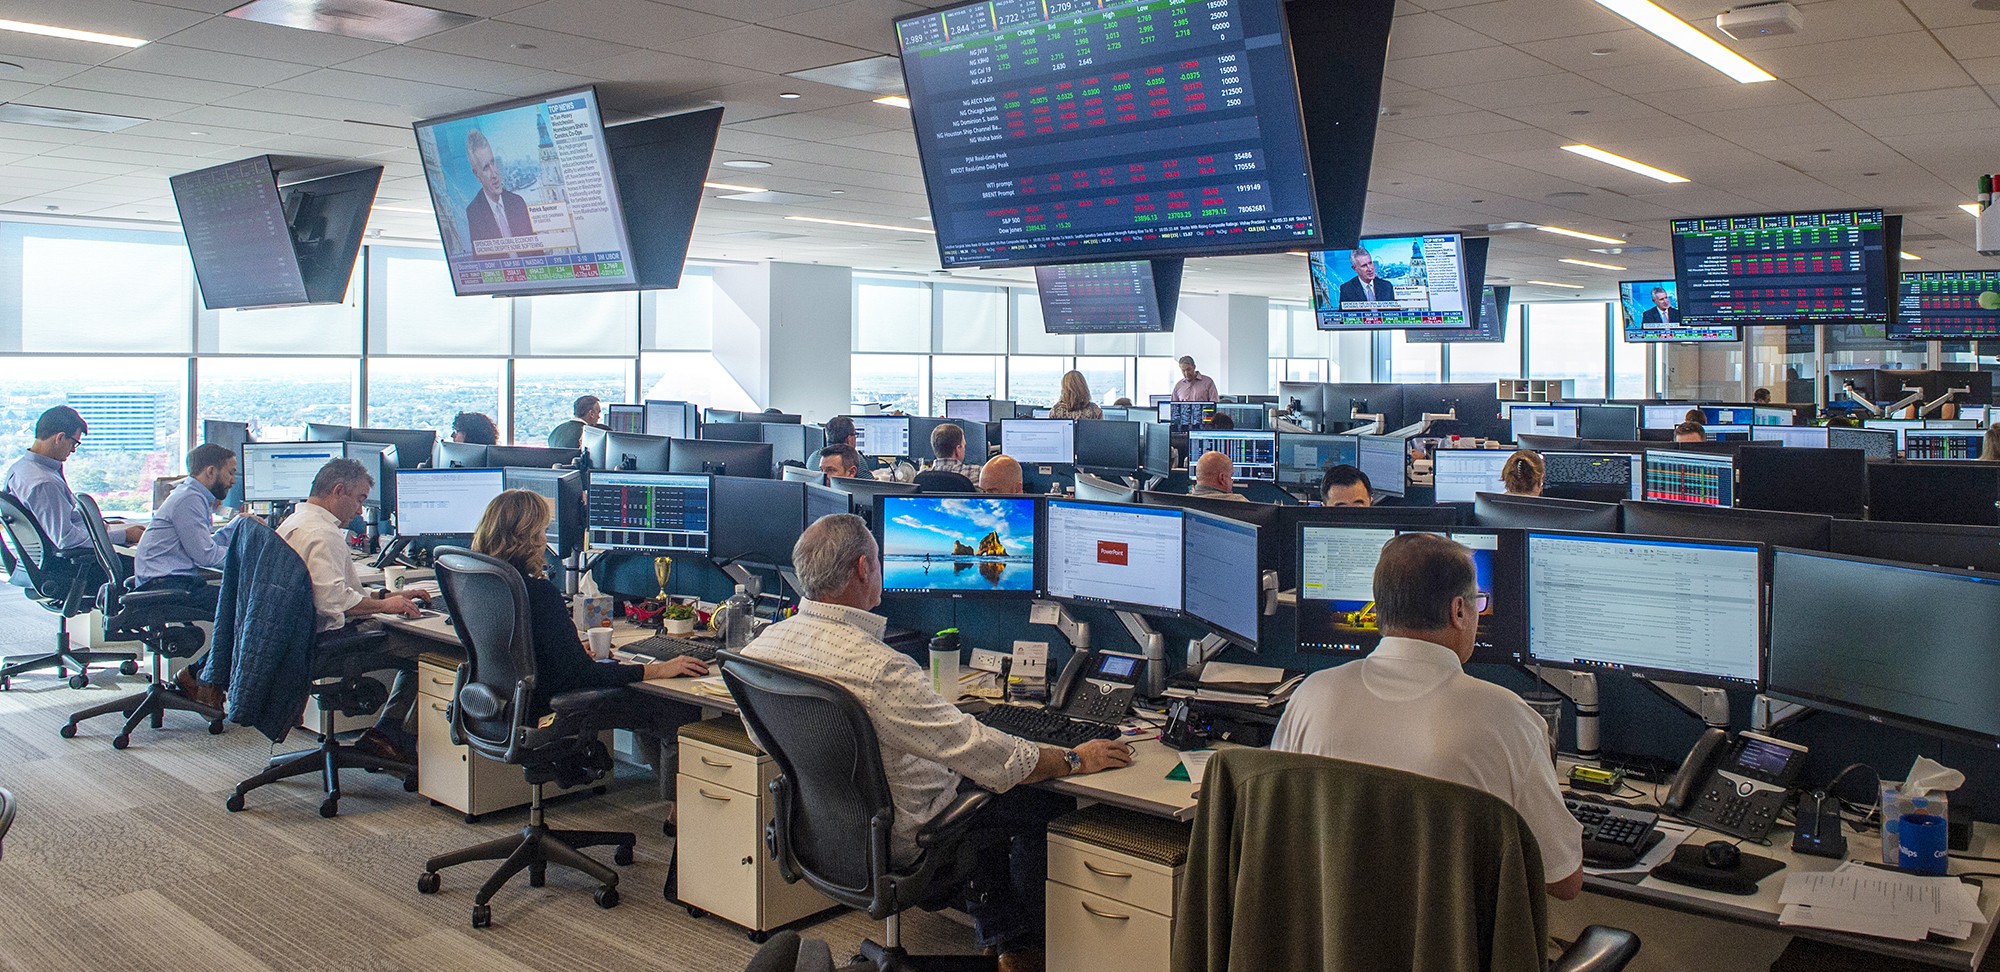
point(704, 792)
point(1103, 914)
point(705, 761)
point(443, 681)
point(437, 708)
point(1100, 872)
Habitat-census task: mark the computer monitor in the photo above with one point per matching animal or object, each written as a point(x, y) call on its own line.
point(1116, 448)
point(1381, 458)
point(958, 545)
point(1246, 418)
point(593, 443)
point(1977, 413)
point(882, 435)
point(414, 447)
point(1936, 544)
point(649, 511)
point(921, 428)
point(1759, 268)
point(1934, 492)
point(1929, 444)
point(1495, 511)
point(756, 521)
point(380, 461)
point(462, 455)
point(229, 435)
point(1607, 421)
point(1303, 457)
point(1829, 481)
point(282, 472)
point(325, 432)
point(1810, 531)
point(1873, 443)
point(971, 409)
point(1092, 488)
point(862, 491)
point(1460, 474)
point(1664, 416)
point(1254, 453)
point(625, 418)
point(672, 420)
point(1158, 440)
point(1600, 477)
point(537, 457)
point(1039, 442)
point(1113, 554)
point(635, 452)
point(1792, 436)
point(1336, 591)
point(793, 442)
point(1845, 639)
point(1690, 477)
point(1185, 415)
point(563, 488)
point(823, 501)
point(1556, 420)
point(444, 502)
point(732, 432)
point(1621, 603)
point(751, 460)
point(1222, 586)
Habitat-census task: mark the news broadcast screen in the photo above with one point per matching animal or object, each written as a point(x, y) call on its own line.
point(1391, 282)
point(1652, 312)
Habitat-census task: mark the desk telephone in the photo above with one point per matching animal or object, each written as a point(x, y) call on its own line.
point(1735, 786)
point(1090, 698)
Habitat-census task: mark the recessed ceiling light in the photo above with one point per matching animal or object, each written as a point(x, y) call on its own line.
point(1551, 283)
point(1972, 208)
point(198, 134)
point(838, 192)
point(1591, 263)
point(732, 187)
point(70, 33)
point(1580, 112)
point(1683, 35)
point(1870, 174)
point(849, 222)
point(526, 47)
point(1604, 52)
point(1581, 235)
point(893, 101)
point(746, 164)
point(1907, 255)
point(1629, 165)
point(384, 21)
point(790, 95)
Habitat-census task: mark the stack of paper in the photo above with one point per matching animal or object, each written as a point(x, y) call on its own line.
point(1855, 897)
point(1245, 684)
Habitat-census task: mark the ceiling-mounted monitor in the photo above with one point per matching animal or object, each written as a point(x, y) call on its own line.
point(327, 217)
point(660, 164)
point(526, 199)
point(1390, 282)
point(1488, 304)
point(1652, 312)
point(1950, 305)
point(1835, 267)
point(1050, 132)
point(256, 245)
point(1120, 297)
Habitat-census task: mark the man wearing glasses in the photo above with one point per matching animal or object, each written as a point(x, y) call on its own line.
point(1410, 705)
point(36, 479)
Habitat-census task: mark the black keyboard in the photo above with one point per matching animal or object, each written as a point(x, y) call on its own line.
point(1613, 835)
point(662, 647)
point(1045, 726)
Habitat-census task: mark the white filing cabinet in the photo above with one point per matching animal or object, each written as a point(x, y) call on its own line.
point(454, 775)
point(1113, 875)
point(723, 800)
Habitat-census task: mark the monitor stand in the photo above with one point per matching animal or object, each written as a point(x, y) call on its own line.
point(391, 552)
point(1152, 645)
point(1769, 715)
point(1710, 705)
point(1580, 688)
point(753, 585)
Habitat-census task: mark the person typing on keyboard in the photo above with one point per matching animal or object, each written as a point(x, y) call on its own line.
point(1410, 705)
point(929, 747)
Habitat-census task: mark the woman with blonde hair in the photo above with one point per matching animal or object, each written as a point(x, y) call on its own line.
point(1523, 473)
point(1075, 401)
point(1990, 452)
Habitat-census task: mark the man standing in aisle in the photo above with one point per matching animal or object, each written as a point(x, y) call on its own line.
point(1194, 386)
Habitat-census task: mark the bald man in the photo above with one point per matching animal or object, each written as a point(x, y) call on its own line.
point(1215, 476)
point(1001, 475)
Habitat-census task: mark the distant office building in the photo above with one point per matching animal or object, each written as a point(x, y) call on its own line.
point(120, 421)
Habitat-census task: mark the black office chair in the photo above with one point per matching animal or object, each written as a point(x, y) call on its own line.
point(7, 807)
point(62, 581)
point(163, 621)
point(490, 713)
point(944, 481)
point(833, 814)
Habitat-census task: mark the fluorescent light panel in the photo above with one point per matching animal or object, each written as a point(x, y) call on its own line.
point(1629, 165)
point(1591, 263)
point(1972, 208)
point(893, 101)
point(69, 33)
point(1551, 283)
point(1907, 255)
point(732, 187)
point(849, 222)
point(1683, 35)
point(1581, 235)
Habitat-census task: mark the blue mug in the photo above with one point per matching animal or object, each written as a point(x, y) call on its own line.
point(1921, 845)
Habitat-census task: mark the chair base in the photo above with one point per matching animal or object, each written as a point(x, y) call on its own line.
point(533, 850)
point(893, 959)
point(151, 705)
point(64, 659)
point(327, 760)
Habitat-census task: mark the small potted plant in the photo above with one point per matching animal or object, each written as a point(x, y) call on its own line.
point(678, 619)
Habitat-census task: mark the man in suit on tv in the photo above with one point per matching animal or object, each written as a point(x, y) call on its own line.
point(1365, 286)
point(494, 214)
point(1663, 312)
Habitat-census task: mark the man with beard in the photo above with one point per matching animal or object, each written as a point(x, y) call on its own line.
point(183, 540)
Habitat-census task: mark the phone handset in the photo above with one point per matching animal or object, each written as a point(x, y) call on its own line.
point(1072, 673)
point(1695, 770)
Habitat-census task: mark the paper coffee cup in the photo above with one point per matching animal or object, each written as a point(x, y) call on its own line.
point(600, 643)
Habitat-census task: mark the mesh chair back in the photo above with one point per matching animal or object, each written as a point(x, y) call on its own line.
point(836, 800)
point(489, 607)
point(107, 555)
point(30, 542)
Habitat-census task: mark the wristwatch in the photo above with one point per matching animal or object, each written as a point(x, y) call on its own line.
point(1075, 761)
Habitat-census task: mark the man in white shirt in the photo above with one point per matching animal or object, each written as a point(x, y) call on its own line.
point(1410, 705)
point(929, 747)
point(317, 530)
point(1194, 386)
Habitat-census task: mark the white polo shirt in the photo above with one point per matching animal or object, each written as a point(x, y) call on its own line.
point(1410, 706)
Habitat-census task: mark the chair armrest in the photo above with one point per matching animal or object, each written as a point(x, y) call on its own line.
point(578, 703)
point(953, 818)
point(350, 638)
point(1598, 949)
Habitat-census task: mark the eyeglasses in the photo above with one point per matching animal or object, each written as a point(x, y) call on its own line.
point(1481, 601)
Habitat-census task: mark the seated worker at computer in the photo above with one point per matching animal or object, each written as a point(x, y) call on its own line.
point(948, 444)
point(1218, 422)
point(840, 431)
point(1215, 476)
point(1001, 476)
point(1410, 706)
point(1344, 485)
point(589, 412)
point(317, 530)
point(1074, 402)
point(1523, 474)
point(1690, 432)
point(477, 429)
point(928, 745)
point(1761, 396)
point(36, 479)
point(839, 460)
point(183, 540)
point(1989, 449)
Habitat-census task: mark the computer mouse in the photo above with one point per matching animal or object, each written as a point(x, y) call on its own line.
point(1721, 855)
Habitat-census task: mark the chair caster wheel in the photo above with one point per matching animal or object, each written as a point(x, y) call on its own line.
point(623, 856)
point(760, 937)
point(606, 897)
point(234, 804)
point(428, 882)
point(68, 731)
point(482, 916)
point(410, 784)
point(120, 741)
point(215, 728)
point(5, 684)
point(128, 668)
point(538, 876)
point(329, 807)
point(694, 912)
point(79, 681)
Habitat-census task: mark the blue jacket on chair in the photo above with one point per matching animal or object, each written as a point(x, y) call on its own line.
point(263, 644)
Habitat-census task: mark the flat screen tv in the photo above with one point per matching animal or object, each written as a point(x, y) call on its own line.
point(1119, 297)
point(327, 217)
point(1834, 267)
point(236, 235)
point(1053, 132)
point(1652, 312)
point(1950, 305)
point(660, 164)
point(526, 199)
point(1415, 280)
point(1489, 326)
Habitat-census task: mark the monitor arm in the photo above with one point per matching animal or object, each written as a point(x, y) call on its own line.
point(1847, 388)
point(1291, 427)
point(1915, 395)
point(1939, 402)
point(1153, 645)
point(1710, 705)
point(1580, 688)
point(1050, 612)
point(1201, 650)
point(1376, 422)
point(1768, 714)
point(753, 585)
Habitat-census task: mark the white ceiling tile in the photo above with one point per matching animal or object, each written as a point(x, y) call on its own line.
point(1826, 21)
point(753, 11)
point(130, 18)
point(1884, 106)
point(636, 22)
point(1893, 52)
point(232, 36)
point(437, 67)
point(37, 71)
point(1468, 67)
point(323, 107)
point(1949, 13)
point(189, 62)
point(1522, 92)
point(111, 80)
point(242, 119)
point(767, 50)
point(865, 24)
point(422, 99)
point(546, 49)
point(1456, 123)
point(1513, 21)
point(1424, 34)
point(98, 101)
point(1983, 120)
point(1626, 47)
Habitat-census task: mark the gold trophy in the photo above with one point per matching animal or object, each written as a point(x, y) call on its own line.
point(663, 568)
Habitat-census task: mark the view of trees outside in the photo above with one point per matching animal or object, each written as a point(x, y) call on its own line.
point(135, 432)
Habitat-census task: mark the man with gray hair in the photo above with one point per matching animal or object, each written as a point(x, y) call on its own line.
point(928, 746)
point(1194, 386)
point(317, 531)
point(494, 214)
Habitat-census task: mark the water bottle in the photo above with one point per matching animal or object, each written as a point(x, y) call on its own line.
point(736, 619)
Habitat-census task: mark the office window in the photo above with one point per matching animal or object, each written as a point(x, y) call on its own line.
point(546, 390)
point(333, 329)
point(892, 315)
point(965, 376)
point(1566, 340)
point(581, 325)
point(419, 314)
point(1035, 380)
point(972, 320)
point(1414, 362)
point(89, 290)
point(1156, 376)
point(1491, 362)
point(1125, 345)
point(691, 376)
point(681, 319)
point(897, 381)
point(133, 406)
point(1628, 366)
point(425, 393)
point(1303, 369)
point(1107, 377)
point(277, 396)
point(1031, 334)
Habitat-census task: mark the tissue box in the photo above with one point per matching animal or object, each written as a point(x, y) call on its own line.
point(591, 611)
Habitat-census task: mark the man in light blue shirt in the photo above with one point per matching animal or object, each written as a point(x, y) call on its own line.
point(36, 479)
point(183, 541)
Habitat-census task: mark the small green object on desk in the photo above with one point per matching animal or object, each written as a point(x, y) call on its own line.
point(1179, 774)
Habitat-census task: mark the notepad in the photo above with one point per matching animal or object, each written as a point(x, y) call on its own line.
point(1855, 897)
